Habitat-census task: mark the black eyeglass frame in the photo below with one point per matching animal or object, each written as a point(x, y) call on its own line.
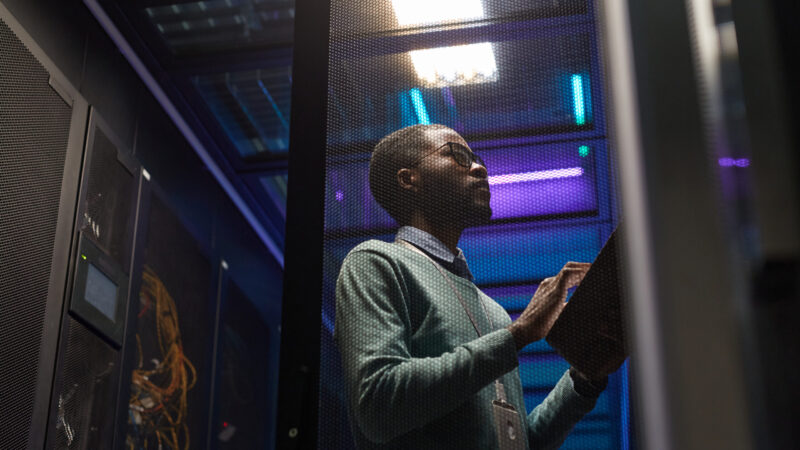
point(472, 157)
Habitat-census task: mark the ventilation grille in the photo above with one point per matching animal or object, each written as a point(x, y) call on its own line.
point(243, 395)
point(108, 205)
point(34, 127)
point(86, 398)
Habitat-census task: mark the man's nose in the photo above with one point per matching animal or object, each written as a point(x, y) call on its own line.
point(477, 170)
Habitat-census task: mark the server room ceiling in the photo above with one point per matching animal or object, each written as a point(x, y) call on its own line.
point(229, 64)
point(226, 64)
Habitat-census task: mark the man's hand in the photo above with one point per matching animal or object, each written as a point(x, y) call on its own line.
point(546, 305)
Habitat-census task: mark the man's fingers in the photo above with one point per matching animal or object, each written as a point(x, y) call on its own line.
point(571, 277)
point(576, 268)
point(553, 289)
point(546, 295)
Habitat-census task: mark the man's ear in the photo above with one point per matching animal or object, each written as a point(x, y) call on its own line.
point(408, 179)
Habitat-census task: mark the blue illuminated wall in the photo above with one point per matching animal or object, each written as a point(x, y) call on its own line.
point(541, 129)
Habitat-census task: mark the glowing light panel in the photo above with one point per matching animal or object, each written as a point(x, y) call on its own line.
point(730, 162)
point(419, 106)
point(577, 99)
point(461, 64)
point(420, 12)
point(536, 176)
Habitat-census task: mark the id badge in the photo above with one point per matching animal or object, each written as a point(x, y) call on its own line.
point(508, 427)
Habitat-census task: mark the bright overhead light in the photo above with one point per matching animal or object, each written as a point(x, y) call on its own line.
point(420, 12)
point(449, 66)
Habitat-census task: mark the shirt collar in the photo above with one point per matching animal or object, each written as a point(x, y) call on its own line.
point(436, 249)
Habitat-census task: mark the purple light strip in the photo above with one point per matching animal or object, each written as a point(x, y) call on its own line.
point(536, 176)
point(186, 130)
point(730, 162)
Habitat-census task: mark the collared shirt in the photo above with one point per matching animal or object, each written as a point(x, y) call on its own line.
point(433, 247)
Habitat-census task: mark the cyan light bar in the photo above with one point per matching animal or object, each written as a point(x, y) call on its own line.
point(419, 106)
point(578, 99)
point(536, 176)
point(274, 105)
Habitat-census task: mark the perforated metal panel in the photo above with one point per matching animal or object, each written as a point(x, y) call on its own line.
point(520, 85)
point(106, 210)
point(86, 395)
point(171, 377)
point(34, 127)
point(242, 397)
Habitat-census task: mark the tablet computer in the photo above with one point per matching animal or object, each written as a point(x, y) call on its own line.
point(590, 332)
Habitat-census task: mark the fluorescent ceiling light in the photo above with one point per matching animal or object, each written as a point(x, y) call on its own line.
point(421, 12)
point(462, 64)
point(536, 176)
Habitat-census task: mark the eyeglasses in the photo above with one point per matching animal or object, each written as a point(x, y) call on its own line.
point(460, 153)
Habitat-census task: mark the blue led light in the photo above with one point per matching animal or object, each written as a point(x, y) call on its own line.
point(577, 99)
point(419, 106)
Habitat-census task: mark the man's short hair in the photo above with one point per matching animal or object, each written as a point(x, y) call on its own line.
point(396, 151)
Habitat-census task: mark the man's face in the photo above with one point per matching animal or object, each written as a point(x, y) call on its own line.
point(450, 192)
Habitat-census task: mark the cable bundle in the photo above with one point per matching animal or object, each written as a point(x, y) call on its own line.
point(158, 406)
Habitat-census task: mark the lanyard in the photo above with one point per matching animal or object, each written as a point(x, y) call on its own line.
point(499, 388)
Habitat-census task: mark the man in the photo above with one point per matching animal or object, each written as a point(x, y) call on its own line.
point(423, 350)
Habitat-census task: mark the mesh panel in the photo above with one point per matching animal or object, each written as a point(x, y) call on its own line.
point(242, 396)
point(105, 213)
point(518, 84)
point(170, 383)
point(86, 401)
point(34, 127)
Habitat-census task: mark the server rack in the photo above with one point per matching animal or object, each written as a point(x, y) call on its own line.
point(38, 202)
point(98, 302)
